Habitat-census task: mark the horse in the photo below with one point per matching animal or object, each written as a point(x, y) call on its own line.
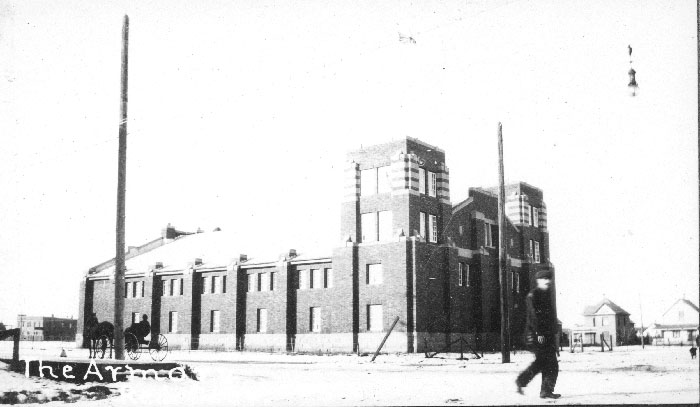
point(95, 330)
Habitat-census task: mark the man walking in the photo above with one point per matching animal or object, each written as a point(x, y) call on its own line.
point(540, 334)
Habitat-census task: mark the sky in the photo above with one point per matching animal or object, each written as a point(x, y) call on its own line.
point(240, 115)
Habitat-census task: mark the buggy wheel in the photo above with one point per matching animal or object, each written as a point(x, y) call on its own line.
point(159, 349)
point(131, 346)
point(101, 346)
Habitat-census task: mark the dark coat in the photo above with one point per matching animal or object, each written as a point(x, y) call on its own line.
point(541, 320)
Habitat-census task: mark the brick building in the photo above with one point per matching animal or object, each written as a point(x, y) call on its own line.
point(46, 328)
point(404, 251)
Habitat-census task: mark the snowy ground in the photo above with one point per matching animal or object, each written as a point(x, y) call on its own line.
point(626, 375)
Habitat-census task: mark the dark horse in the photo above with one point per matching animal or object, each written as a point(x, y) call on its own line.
point(95, 330)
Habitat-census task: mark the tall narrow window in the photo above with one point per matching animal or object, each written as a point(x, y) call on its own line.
point(471, 276)
point(488, 238)
point(262, 320)
point(259, 285)
point(143, 289)
point(432, 184)
point(422, 227)
point(535, 216)
point(205, 285)
point(384, 225)
point(532, 250)
point(328, 278)
point(537, 252)
point(165, 287)
point(172, 322)
point(272, 280)
point(133, 289)
point(375, 318)
point(135, 317)
point(182, 286)
point(375, 274)
point(421, 180)
point(315, 278)
point(172, 287)
point(368, 182)
point(460, 275)
point(383, 180)
point(223, 284)
point(264, 281)
point(303, 279)
point(215, 325)
point(251, 280)
point(126, 290)
point(369, 226)
point(315, 319)
point(432, 225)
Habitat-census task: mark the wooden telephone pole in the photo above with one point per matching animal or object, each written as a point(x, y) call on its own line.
point(502, 254)
point(119, 266)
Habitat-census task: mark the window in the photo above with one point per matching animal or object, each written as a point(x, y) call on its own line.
point(264, 281)
point(594, 321)
point(172, 287)
point(134, 317)
point(259, 282)
point(488, 235)
point(535, 216)
point(368, 182)
point(215, 321)
point(369, 226)
point(328, 278)
point(182, 286)
point(384, 225)
point(461, 230)
point(421, 180)
point(676, 334)
point(515, 281)
point(432, 184)
point(605, 321)
point(205, 285)
point(133, 289)
point(383, 180)
point(272, 280)
point(143, 289)
point(223, 284)
point(213, 284)
point(172, 322)
point(432, 225)
point(471, 276)
point(315, 278)
point(315, 319)
point(375, 318)
point(374, 274)
point(165, 287)
point(537, 252)
point(126, 290)
point(262, 320)
point(250, 282)
point(532, 249)
point(422, 229)
point(460, 275)
point(303, 279)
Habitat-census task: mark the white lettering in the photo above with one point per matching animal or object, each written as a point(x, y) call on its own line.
point(26, 367)
point(182, 372)
point(96, 372)
point(41, 370)
point(114, 372)
point(131, 371)
point(155, 374)
point(66, 372)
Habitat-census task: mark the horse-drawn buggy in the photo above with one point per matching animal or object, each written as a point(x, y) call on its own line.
point(101, 337)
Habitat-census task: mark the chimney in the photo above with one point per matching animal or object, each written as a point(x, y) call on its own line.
point(292, 253)
point(197, 261)
point(242, 258)
point(158, 265)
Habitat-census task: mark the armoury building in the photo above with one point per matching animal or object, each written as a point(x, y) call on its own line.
point(404, 251)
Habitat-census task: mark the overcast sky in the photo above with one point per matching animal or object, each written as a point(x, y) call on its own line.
point(240, 114)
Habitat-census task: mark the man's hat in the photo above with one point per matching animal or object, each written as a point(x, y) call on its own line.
point(544, 274)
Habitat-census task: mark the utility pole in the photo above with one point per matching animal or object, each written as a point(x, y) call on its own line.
point(119, 265)
point(641, 318)
point(502, 254)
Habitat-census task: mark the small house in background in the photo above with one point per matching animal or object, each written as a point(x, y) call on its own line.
point(607, 319)
point(678, 325)
point(46, 328)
